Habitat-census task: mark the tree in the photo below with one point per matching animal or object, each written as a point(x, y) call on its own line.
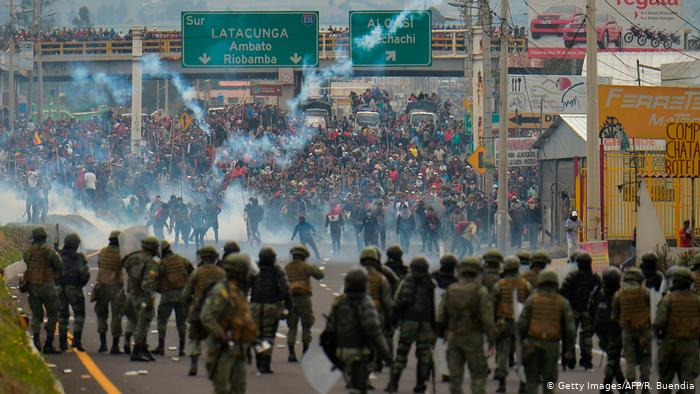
point(82, 21)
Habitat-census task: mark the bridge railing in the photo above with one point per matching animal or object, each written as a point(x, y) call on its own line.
point(445, 44)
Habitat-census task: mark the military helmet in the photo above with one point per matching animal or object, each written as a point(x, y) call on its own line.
point(39, 232)
point(300, 250)
point(356, 280)
point(682, 274)
point(696, 262)
point(583, 258)
point(394, 252)
point(470, 265)
point(633, 274)
point(237, 265)
point(548, 276)
point(267, 256)
point(164, 245)
point(369, 253)
point(650, 258)
point(208, 251)
point(114, 235)
point(71, 241)
point(511, 263)
point(524, 257)
point(419, 264)
point(449, 261)
point(231, 247)
point(540, 258)
point(611, 277)
point(493, 256)
point(150, 243)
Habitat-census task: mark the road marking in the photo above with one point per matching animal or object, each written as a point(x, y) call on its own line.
point(91, 255)
point(94, 370)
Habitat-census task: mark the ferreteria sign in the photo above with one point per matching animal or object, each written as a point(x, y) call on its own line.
point(249, 39)
point(683, 149)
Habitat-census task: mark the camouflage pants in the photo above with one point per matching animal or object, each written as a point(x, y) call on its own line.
point(106, 297)
point(302, 309)
point(612, 345)
point(423, 335)
point(130, 313)
point(142, 307)
point(678, 356)
point(196, 334)
point(267, 316)
point(584, 324)
point(504, 346)
point(355, 368)
point(540, 359)
point(637, 351)
point(227, 371)
point(467, 349)
point(43, 297)
point(172, 301)
point(71, 297)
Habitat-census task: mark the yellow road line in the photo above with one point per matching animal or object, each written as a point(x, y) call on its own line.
point(94, 370)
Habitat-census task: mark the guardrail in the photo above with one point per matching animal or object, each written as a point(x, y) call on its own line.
point(445, 44)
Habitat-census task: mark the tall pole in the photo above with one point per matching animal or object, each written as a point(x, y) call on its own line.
point(593, 219)
point(11, 91)
point(39, 63)
point(166, 106)
point(468, 59)
point(136, 87)
point(503, 133)
point(485, 21)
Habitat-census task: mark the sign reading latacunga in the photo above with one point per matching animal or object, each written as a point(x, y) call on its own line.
point(683, 149)
point(249, 39)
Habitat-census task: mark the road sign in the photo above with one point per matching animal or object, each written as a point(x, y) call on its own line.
point(185, 121)
point(476, 160)
point(249, 39)
point(266, 90)
point(391, 38)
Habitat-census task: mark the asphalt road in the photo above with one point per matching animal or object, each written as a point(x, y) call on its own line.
point(169, 374)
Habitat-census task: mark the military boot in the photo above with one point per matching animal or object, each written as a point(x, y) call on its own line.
point(393, 385)
point(501, 385)
point(127, 344)
point(193, 366)
point(422, 375)
point(36, 338)
point(115, 346)
point(63, 341)
point(147, 353)
point(181, 350)
point(137, 354)
point(292, 354)
point(160, 350)
point(305, 348)
point(78, 341)
point(48, 345)
point(266, 365)
point(103, 343)
point(258, 362)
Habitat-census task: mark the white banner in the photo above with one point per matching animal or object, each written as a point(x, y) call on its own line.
point(520, 152)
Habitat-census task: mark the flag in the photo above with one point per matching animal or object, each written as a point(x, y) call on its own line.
point(37, 139)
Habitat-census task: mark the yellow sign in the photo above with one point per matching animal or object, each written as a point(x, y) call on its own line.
point(644, 111)
point(599, 254)
point(476, 160)
point(185, 121)
point(683, 149)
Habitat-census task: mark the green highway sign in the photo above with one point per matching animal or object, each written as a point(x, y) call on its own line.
point(391, 38)
point(249, 39)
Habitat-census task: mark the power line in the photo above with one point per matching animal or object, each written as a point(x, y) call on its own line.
point(683, 19)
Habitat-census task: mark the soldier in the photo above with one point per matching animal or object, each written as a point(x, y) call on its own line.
point(678, 320)
point(379, 289)
point(173, 275)
point(43, 264)
point(109, 293)
point(142, 271)
point(270, 296)
point(395, 261)
point(631, 308)
point(71, 279)
point(696, 273)
point(606, 327)
point(206, 274)
point(538, 261)
point(577, 289)
point(445, 275)
point(414, 310)
point(465, 315)
point(493, 259)
point(230, 247)
point(545, 320)
point(652, 276)
point(524, 258)
point(355, 325)
point(300, 273)
point(505, 315)
point(227, 318)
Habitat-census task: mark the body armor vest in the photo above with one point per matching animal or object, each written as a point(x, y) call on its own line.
point(243, 327)
point(545, 320)
point(72, 271)
point(175, 273)
point(206, 274)
point(491, 277)
point(374, 288)
point(683, 319)
point(299, 280)
point(531, 277)
point(634, 309)
point(506, 286)
point(39, 271)
point(266, 286)
point(463, 309)
point(109, 265)
point(696, 275)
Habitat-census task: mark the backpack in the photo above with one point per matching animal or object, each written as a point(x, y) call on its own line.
point(197, 329)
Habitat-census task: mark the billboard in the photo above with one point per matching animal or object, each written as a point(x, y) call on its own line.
point(520, 152)
point(644, 111)
point(557, 94)
point(557, 28)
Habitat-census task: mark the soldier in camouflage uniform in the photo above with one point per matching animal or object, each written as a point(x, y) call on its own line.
point(227, 318)
point(414, 310)
point(394, 261)
point(230, 247)
point(71, 279)
point(464, 316)
point(577, 288)
point(206, 274)
point(355, 324)
point(299, 273)
point(109, 293)
point(546, 319)
point(505, 315)
point(43, 264)
point(524, 258)
point(696, 273)
point(631, 308)
point(493, 259)
point(269, 297)
point(379, 289)
point(445, 275)
point(678, 322)
point(173, 275)
point(142, 271)
point(538, 261)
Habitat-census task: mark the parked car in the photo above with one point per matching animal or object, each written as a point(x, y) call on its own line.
point(607, 31)
point(554, 19)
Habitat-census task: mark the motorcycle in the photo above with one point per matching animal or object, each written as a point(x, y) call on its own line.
point(635, 31)
point(647, 34)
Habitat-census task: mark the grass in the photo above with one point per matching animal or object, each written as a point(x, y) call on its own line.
point(21, 370)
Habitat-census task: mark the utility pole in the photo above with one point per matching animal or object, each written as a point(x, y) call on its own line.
point(485, 20)
point(593, 197)
point(11, 91)
point(503, 133)
point(136, 87)
point(39, 62)
point(468, 61)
